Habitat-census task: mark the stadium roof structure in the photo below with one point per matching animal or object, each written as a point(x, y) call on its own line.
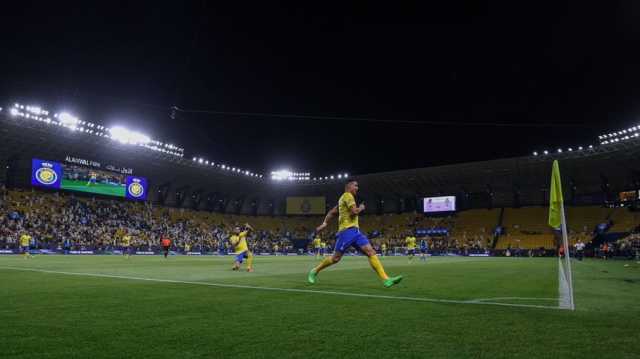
point(591, 175)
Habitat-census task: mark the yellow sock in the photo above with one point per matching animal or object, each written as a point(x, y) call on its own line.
point(324, 264)
point(249, 260)
point(377, 266)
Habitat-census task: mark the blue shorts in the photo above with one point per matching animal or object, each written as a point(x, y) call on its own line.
point(25, 249)
point(241, 256)
point(411, 252)
point(423, 250)
point(350, 237)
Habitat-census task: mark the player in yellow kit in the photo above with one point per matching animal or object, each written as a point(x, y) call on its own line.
point(239, 242)
point(410, 242)
point(126, 245)
point(349, 235)
point(317, 246)
point(25, 242)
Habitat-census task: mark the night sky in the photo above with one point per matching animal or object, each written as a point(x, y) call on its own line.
point(483, 81)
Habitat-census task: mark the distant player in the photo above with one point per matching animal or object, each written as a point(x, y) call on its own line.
point(317, 246)
point(126, 245)
point(424, 248)
point(239, 242)
point(410, 242)
point(166, 244)
point(25, 242)
point(323, 248)
point(349, 235)
point(93, 177)
point(580, 250)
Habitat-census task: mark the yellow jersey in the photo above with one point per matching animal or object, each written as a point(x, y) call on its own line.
point(345, 218)
point(411, 242)
point(384, 247)
point(25, 240)
point(323, 245)
point(239, 242)
point(317, 242)
point(126, 241)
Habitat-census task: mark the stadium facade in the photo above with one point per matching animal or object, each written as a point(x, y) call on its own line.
point(592, 176)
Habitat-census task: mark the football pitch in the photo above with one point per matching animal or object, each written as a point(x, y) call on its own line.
point(196, 307)
point(99, 188)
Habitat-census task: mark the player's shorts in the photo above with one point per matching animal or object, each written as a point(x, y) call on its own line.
point(92, 180)
point(25, 249)
point(318, 249)
point(350, 237)
point(165, 248)
point(423, 250)
point(411, 252)
point(241, 256)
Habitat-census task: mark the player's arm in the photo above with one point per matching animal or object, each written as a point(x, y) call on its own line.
point(248, 226)
point(332, 212)
point(356, 210)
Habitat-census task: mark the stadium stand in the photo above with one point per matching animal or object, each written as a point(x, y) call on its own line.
point(624, 220)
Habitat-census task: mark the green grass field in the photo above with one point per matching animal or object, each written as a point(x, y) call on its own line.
point(99, 188)
point(196, 307)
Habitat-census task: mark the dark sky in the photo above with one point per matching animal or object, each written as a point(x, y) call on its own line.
point(457, 64)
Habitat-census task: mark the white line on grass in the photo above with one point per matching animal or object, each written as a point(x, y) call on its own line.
point(512, 298)
point(291, 290)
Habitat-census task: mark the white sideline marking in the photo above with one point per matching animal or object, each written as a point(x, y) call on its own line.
point(512, 298)
point(294, 290)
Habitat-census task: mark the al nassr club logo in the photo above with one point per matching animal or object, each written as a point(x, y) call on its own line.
point(45, 174)
point(136, 189)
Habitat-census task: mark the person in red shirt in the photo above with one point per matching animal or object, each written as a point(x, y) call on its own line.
point(166, 244)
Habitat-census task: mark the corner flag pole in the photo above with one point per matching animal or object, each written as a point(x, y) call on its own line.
point(567, 260)
point(557, 219)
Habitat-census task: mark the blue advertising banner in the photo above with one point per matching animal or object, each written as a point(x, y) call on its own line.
point(46, 173)
point(136, 188)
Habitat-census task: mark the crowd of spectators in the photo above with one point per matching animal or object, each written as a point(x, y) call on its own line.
point(63, 221)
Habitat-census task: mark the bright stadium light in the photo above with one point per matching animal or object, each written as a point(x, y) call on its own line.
point(559, 150)
point(36, 110)
point(535, 153)
point(126, 136)
point(14, 112)
point(281, 175)
point(590, 146)
point(331, 176)
point(546, 152)
point(346, 175)
point(194, 159)
point(67, 119)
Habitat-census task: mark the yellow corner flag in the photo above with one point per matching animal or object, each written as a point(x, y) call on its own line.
point(555, 197)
